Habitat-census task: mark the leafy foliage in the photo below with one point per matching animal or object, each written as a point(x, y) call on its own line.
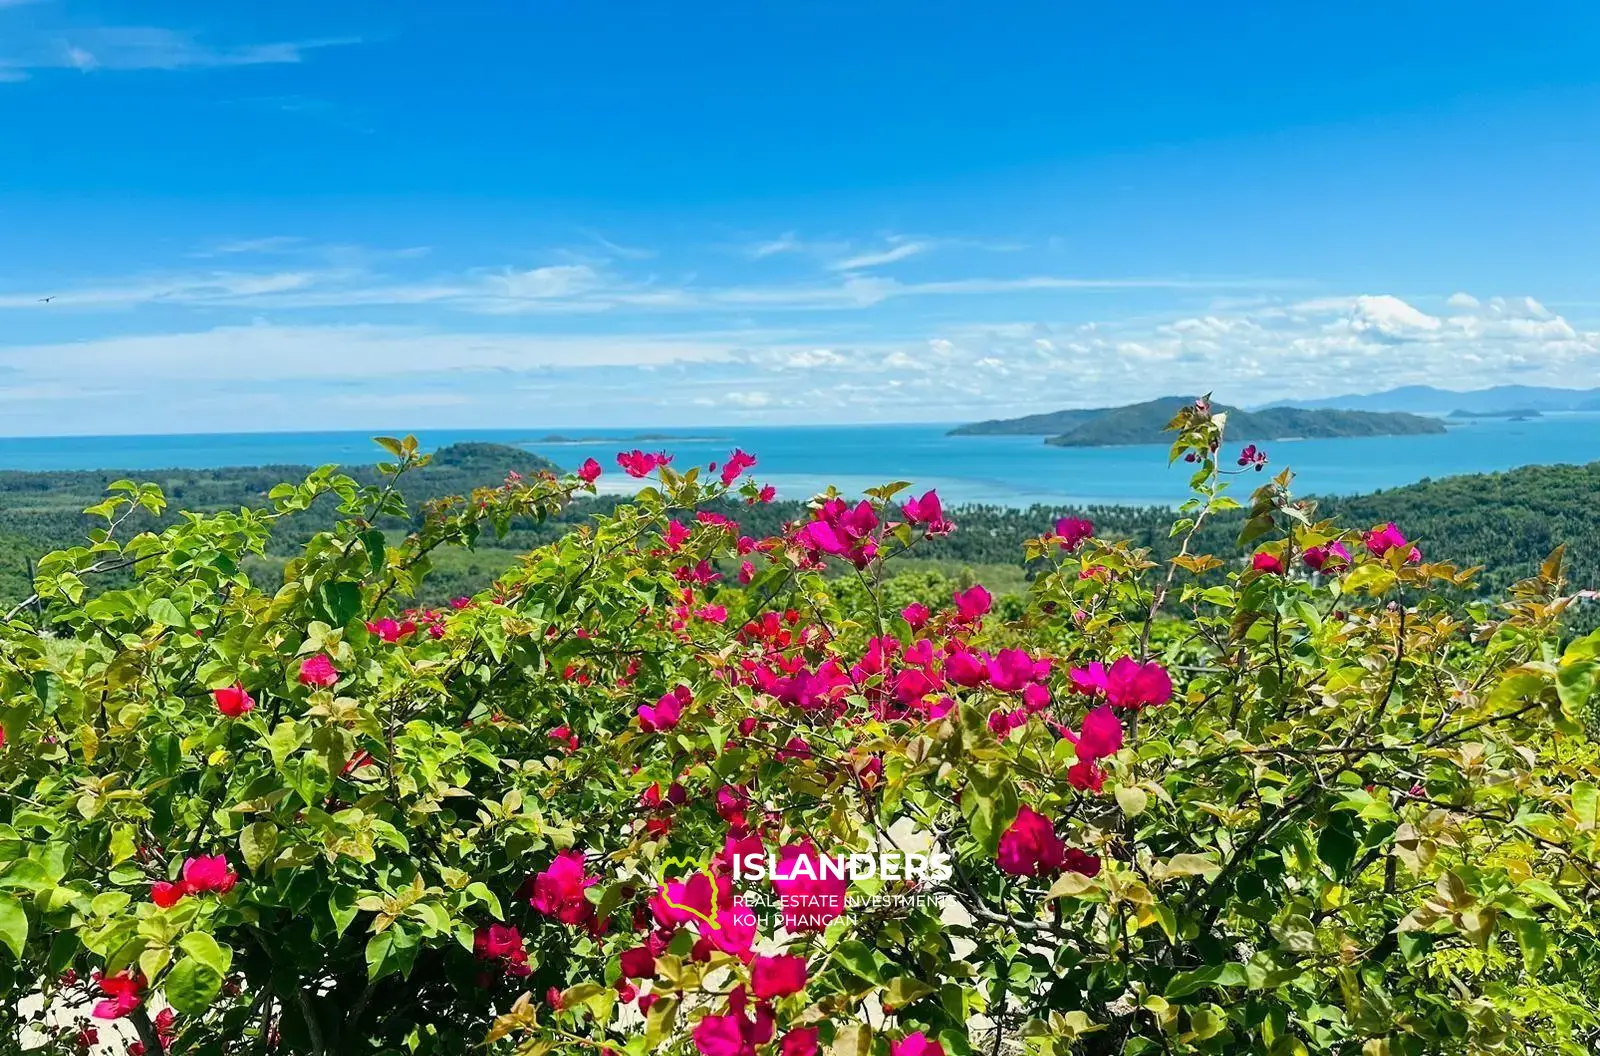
point(1192, 807)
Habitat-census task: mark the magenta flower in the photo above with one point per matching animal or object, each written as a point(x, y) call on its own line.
point(973, 603)
point(778, 976)
point(1327, 558)
point(1073, 531)
point(124, 993)
point(318, 671)
point(737, 463)
point(589, 472)
point(1030, 846)
point(918, 1044)
point(232, 701)
point(209, 873)
point(558, 891)
point(1133, 685)
point(1271, 564)
point(638, 463)
point(1387, 537)
point(666, 712)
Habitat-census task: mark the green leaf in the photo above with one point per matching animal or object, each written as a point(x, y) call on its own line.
point(857, 957)
point(1212, 975)
point(904, 989)
point(13, 925)
point(1133, 800)
point(164, 612)
point(207, 951)
point(990, 805)
point(192, 985)
point(257, 841)
point(1575, 684)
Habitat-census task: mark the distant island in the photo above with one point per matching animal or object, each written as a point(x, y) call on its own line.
point(1426, 399)
point(1518, 415)
point(1145, 423)
point(637, 438)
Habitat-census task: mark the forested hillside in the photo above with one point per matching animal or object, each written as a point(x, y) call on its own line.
point(1506, 522)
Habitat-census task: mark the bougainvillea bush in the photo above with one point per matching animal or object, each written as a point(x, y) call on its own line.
point(1283, 800)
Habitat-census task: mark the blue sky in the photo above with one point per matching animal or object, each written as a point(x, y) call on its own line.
point(520, 212)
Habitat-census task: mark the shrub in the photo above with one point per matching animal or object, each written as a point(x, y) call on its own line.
point(1326, 812)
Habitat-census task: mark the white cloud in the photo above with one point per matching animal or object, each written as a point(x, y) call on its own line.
point(886, 256)
point(1462, 300)
point(788, 242)
point(97, 48)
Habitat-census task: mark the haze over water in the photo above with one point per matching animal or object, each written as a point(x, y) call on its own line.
point(1004, 470)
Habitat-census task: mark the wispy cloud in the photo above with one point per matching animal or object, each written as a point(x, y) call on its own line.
point(122, 48)
point(900, 251)
point(788, 242)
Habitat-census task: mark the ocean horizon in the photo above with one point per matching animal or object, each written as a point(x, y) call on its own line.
point(802, 460)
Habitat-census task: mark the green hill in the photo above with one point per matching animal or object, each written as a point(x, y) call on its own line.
point(1145, 423)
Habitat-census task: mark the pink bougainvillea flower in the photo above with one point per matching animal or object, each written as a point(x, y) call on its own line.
point(916, 615)
point(1085, 775)
point(558, 891)
point(1387, 537)
point(1130, 684)
point(495, 942)
point(973, 603)
point(1013, 670)
point(676, 535)
point(1262, 561)
point(124, 993)
point(390, 630)
point(795, 749)
point(1326, 558)
point(966, 668)
point(1090, 680)
point(918, 1044)
point(638, 463)
point(1073, 531)
point(778, 976)
point(318, 670)
point(232, 701)
point(665, 713)
point(1030, 846)
point(564, 736)
point(589, 472)
point(928, 511)
point(801, 1041)
point(737, 463)
point(1101, 736)
point(166, 894)
point(209, 873)
point(811, 893)
point(734, 1034)
point(734, 928)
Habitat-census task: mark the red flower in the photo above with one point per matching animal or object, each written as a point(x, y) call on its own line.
point(778, 976)
point(801, 1041)
point(1330, 557)
point(124, 993)
point(1271, 564)
point(1082, 862)
point(916, 615)
point(167, 894)
point(209, 873)
point(928, 511)
point(558, 891)
point(589, 472)
point(1030, 846)
point(318, 670)
point(1387, 537)
point(232, 701)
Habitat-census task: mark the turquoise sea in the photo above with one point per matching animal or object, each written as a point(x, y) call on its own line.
point(1014, 471)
